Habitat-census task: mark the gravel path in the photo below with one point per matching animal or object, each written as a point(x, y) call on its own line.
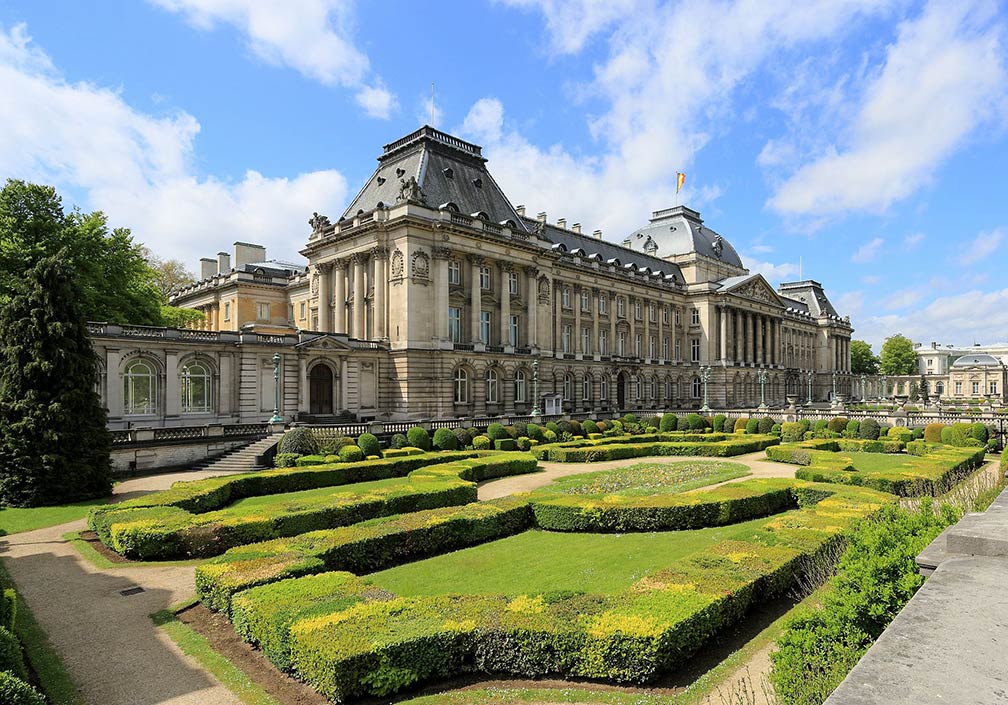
point(107, 641)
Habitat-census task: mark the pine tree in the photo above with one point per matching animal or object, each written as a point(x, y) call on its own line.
point(54, 446)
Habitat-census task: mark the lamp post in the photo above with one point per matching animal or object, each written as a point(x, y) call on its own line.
point(885, 389)
point(277, 418)
point(535, 388)
point(761, 377)
point(864, 383)
point(705, 372)
point(834, 387)
point(809, 402)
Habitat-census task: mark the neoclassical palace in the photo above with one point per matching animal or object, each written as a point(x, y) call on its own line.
point(432, 296)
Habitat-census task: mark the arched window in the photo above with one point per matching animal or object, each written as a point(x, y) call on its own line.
point(140, 388)
point(586, 388)
point(461, 386)
point(491, 386)
point(568, 388)
point(519, 386)
point(196, 388)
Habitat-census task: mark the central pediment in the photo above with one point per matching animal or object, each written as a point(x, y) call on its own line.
point(326, 341)
point(756, 288)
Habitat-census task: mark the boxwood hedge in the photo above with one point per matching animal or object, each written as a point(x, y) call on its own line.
point(706, 445)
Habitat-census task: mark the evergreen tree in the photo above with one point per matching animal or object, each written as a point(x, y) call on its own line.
point(54, 447)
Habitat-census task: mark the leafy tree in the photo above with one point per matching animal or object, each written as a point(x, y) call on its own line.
point(898, 356)
point(119, 280)
point(863, 360)
point(54, 447)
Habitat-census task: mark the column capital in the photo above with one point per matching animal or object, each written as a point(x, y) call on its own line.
point(379, 252)
point(506, 265)
point(475, 259)
point(323, 267)
point(531, 271)
point(441, 252)
point(359, 257)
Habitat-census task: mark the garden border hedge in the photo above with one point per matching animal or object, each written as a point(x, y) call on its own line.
point(588, 451)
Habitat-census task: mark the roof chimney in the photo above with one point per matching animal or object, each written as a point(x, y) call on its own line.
point(520, 210)
point(597, 234)
point(247, 253)
point(541, 217)
point(208, 268)
point(576, 227)
point(562, 223)
point(223, 263)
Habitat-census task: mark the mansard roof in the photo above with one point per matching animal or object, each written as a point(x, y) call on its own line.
point(810, 293)
point(680, 231)
point(446, 170)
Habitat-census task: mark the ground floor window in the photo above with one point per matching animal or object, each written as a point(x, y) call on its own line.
point(586, 388)
point(603, 388)
point(491, 386)
point(696, 387)
point(519, 386)
point(196, 388)
point(140, 388)
point(461, 386)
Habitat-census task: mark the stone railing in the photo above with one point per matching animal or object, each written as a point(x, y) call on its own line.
point(188, 434)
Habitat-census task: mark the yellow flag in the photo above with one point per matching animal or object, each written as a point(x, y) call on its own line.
point(680, 180)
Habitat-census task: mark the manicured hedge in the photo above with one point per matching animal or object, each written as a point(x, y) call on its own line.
point(14, 691)
point(350, 639)
point(160, 532)
point(728, 504)
point(588, 452)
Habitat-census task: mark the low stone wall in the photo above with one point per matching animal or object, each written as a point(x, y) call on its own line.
point(134, 459)
point(948, 644)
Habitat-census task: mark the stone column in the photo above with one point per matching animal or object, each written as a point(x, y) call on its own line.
point(595, 327)
point(505, 304)
point(532, 303)
point(322, 269)
point(339, 299)
point(771, 355)
point(475, 298)
point(748, 337)
point(359, 305)
point(380, 282)
point(672, 326)
point(576, 293)
point(632, 342)
point(723, 313)
point(612, 324)
point(441, 255)
point(660, 318)
point(646, 340)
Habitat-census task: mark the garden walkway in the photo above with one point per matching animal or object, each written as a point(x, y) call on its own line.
point(107, 641)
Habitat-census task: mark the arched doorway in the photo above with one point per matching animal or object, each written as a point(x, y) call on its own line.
point(320, 390)
point(621, 385)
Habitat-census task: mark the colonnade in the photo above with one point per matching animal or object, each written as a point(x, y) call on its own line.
point(749, 337)
point(363, 274)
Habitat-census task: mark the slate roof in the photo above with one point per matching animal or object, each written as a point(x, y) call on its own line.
point(978, 360)
point(679, 231)
point(275, 267)
point(810, 293)
point(447, 170)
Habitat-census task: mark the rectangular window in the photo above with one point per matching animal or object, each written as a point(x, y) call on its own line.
point(976, 388)
point(664, 314)
point(262, 312)
point(695, 320)
point(585, 302)
point(485, 327)
point(565, 297)
point(227, 310)
point(695, 350)
point(513, 283)
point(303, 309)
point(603, 343)
point(637, 310)
point(454, 272)
point(651, 348)
point(586, 341)
point(637, 345)
point(958, 388)
point(664, 348)
point(677, 316)
point(565, 341)
point(603, 388)
point(651, 312)
point(929, 362)
point(620, 307)
point(621, 344)
point(993, 387)
point(513, 331)
point(602, 303)
point(455, 324)
point(586, 388)
point(678, 350)
point(485, 278)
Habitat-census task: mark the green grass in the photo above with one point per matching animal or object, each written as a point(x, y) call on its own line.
point(882, 462)
point(54, 681)
point(197, 647)
point(88, 553)
point(644, 479)
point(542, 561)
point(278, 501)
point(14, 520)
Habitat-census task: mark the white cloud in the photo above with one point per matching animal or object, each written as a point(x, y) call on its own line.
point(138, 168)
point(871, 279)
point(943, 77)
point(485, 120)
point(428, 112)
point(983, 245)
point(850, 303)
point(772, 272)
point(902, 298)
point(664, 89)
point(311, 36)
point(761, 249)
point(911, 241)
point(868, 251)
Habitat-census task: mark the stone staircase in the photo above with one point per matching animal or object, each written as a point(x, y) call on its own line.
point(240, 459)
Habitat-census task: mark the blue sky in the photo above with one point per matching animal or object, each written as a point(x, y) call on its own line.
point(866, 138)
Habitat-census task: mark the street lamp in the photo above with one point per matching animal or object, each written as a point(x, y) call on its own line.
point(761, 377)
point(535, 388)
point(277, 418)
point(705, 372)
point(809, 402)
point(885, 388)
point(864, 385)
point(834, 387)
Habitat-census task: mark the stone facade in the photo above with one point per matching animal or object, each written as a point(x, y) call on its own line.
point(449, 301)
point(971, 375)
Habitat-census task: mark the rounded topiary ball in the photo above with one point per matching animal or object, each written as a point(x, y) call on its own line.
point(369, 444)
point(444, 439)
point(419, 438)
point(350, 454)
point(300, 440)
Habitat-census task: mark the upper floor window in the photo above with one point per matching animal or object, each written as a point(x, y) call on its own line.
point(664, 348)
point(227, 310)
point(664, 314)
point(454, 272)
point(620, 306)
point(485, 278)
point(491, 386)
point(303, 310)
point(602, 304)
point(568, 387)
point(585, 302)
point(993, 388)
point(637, 310)
point(513, 283)
point(976, 388)
point(455, 324)
point(262, 312)
point(637, 345)
point(586, 388)
point(586, 341)
point(513, 331)
point(519, 386)
point(565, 339)
point(196, 388)
point(695, 317)
point(695, 350)
point(461, 386)
point(677, 316)
point(565, 297)
point(651, 313)
point(958, 387)
point(140, 388)
point(651, 348)
point(603, 342)
point(621, 343)
point(484, 327)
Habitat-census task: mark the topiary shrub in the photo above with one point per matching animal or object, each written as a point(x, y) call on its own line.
point(629, 418)
point(589, 426)
point(946, 435)
point(765, 424)
point(285, 460)
point(14, 691)
point(820, 426)
point(399, 440)
point(740, 424)
point(520, 429)
point(960, 433)
point(552, 426)
point(535, 432)
point(868, 430)
point(752, 426)
point(603, 426)
point(853, 426)
point(481, 443)
point(444, 439)
point(792, 432)
point(668, 423)
point(576, 429)
point(350, 454)
point(682, 424)
point(549, 436)
point(776, 429)
point(696, 422)
point(506, 444)
point(464, 437)
point(837, 424)
point(524, 443)
point(719, 422)
point(299, 440)
point(979, 432)
point(419, 438)
point(903, 435)
point(496, 432)
point(369, 445)
point(11, 658)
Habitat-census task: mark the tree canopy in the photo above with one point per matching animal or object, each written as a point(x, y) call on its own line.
point(116, 282)
point(863, 360)
point(898, 356)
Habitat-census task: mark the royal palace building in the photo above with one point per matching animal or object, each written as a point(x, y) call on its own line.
point(432, 296)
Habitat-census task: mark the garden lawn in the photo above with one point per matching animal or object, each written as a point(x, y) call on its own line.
point(883, 462)
point(646, 479)
point(274, 502)
point(543, 561)
point(14, 520)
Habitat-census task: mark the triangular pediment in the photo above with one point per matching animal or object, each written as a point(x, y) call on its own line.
point(325, 341)
point(755, 288)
